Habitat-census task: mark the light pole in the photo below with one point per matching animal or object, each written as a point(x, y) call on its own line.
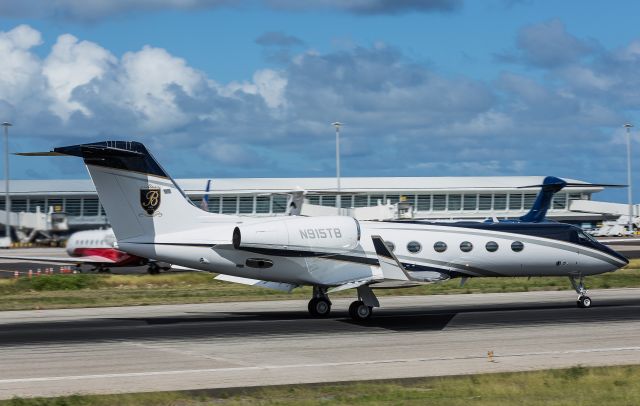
point(629, 188)
point(7, 201)
point(337, 125)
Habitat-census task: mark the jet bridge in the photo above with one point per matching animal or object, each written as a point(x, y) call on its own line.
point(30, 227)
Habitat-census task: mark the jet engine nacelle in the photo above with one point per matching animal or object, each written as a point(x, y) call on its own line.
point(331, 233)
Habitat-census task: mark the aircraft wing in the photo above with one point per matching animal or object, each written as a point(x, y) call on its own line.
point(89, 260)
point(285, 287)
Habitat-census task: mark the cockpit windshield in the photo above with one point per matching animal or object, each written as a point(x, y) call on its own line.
point(584, 237)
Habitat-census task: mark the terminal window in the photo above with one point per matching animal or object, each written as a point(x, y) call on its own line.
point(35, 203)
point(346, 202)
point(439, 202)
point(411, 199)
point(72, 207)
point(499, 202)
point(455, 202)
point(470, 202)
point(280, 204)
point(424, 202)
point(214, 204)
point(246, 204)
point(515, 201)
point(484, 202)
point(229, 204)
point(393, 199)
point(560, 201)
point(373, 200)
point(18, 205)
point(263, 204)
point(328, 201)
point(90, 207)
point(529, 199)
point(360, 201)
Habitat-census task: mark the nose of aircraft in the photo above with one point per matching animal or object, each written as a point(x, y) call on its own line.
point(624, 261)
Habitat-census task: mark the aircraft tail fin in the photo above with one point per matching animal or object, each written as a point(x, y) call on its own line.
point(204, 204)
point(140, 198)
point(550, 186)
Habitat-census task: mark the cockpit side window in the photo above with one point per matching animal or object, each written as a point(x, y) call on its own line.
point(582, 236)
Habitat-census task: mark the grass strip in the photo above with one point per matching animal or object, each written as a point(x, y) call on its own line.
point(616, 385)
point(97, 290)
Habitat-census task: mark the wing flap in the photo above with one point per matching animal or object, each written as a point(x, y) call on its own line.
point(284, 287)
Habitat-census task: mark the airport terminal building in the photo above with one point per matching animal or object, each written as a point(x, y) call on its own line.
point(436, 198)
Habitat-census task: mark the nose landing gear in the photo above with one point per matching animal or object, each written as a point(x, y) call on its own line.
point(583, 301)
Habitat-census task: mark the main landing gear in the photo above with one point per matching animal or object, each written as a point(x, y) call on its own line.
point(319, 305)
point(153, 268)
point(583, 301)
point(360, 310)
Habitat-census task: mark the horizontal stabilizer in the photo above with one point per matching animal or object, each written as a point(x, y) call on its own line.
point(573, 184)
point(285, 287)
point(48, 153)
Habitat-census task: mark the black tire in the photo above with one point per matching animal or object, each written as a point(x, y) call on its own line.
point(319, 307)
point(153, 269)
point(359, 311)
point(584, 302)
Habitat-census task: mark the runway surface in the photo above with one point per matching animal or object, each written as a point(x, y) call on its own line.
point(156, 348)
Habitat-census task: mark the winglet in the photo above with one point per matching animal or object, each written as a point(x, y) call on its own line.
point(391, 267)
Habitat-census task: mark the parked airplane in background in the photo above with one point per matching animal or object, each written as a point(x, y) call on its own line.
point(97, 249)
point(153, 218)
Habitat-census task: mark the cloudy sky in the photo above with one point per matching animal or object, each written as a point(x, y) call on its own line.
point(244, 88)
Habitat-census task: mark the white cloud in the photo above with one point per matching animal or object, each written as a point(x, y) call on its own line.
point(267, 83)
point(20, 76)
point(145, 79)
point(70, 64)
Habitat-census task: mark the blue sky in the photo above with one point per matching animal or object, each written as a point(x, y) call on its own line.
point(228, 88)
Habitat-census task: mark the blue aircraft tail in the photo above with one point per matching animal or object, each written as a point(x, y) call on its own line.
point(204, 204)
point(550, 186)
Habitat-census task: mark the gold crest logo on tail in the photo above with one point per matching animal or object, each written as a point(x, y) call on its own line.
point(150, 199)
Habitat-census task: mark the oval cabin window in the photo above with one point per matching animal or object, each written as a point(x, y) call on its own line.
point(466, 246)
point(517, 246)
point(390, 245)
point(492, 246)
point(414, 247)
point(440, 246)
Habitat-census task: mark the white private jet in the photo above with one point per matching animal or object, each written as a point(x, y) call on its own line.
point(96, 249)
point(153, 218)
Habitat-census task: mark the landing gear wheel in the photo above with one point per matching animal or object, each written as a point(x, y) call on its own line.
point(319, 307)
point(360, 311)
point(153, 269)
point(584, 302)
